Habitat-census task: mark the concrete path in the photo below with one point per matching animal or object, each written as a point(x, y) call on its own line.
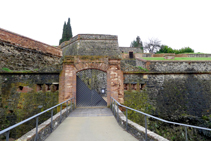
point(90, 124)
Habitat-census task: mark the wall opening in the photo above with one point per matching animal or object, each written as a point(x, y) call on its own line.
point(20, 88)
point(130, 54)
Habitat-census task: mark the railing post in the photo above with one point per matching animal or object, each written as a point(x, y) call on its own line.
point(112, 106)
point(71, 105)
point(7, 135)
point(126, 120)
point(186, 134)
point(36, 137)
point(117, 112)
point(67, 107)
point(110, 103)
point(51, 120)
point(145, 128)
point(60, 113)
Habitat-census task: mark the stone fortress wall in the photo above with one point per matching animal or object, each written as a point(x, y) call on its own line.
point(19, 53)
point(92, 45)
point(174, 88)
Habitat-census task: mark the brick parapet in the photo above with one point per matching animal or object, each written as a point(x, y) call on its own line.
point(25, 42)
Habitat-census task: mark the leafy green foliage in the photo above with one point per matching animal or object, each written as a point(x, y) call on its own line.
point(138, 101)
point(67, 32)
point(142, 68)
point(167, 49)
point(178, 58)
point(137, 43)
point(6, 69)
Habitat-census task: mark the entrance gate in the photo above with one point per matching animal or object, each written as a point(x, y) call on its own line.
point(86, 97)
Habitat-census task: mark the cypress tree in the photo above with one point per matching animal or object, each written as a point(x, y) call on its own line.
point(67, 32)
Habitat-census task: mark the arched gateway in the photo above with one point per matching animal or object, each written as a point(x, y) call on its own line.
point(84, 52)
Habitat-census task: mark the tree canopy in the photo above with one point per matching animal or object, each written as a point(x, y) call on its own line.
point(67, 32)
point(137, 43)
point(167, 49)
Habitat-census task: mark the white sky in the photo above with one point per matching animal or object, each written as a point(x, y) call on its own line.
point(177, 23)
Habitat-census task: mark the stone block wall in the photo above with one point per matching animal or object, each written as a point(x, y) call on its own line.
point(131, 62)
point(162, 54)
point(25, 42)
point(180, 94)
point(92, 45)
point(130, 49)
point(141, 62)
point(23, 95)
point(183, 98)
point(16, 58)
point(198, 55)
point(178, 66)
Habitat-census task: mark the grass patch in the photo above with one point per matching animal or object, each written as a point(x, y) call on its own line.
point(142, 68)
point(178, 58)
point(6, 69)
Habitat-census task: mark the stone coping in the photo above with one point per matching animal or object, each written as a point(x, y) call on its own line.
point(25, 42)
point(137, 130)
point(157, 73)
point(88, 37)
point(173, 61)
point(44, 128)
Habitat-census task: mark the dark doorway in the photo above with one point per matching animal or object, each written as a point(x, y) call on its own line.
point(130, 54)
point(86, 97)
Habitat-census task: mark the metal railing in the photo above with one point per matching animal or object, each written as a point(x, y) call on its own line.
point(7, 130)
point(117, 104)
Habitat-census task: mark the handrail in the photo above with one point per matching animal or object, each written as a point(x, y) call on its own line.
point(7, 130)
point(166, 121)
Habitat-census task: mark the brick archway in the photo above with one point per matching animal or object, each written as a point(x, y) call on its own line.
point(74, 64)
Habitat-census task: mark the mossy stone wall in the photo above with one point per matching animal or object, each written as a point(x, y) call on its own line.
point(14, 58)
point(183, 98)
point(17, 105)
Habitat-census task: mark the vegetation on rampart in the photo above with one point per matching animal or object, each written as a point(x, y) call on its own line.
point(178, 58)
point(140, 101)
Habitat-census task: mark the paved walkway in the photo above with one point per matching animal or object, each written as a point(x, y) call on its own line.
point(90, 124)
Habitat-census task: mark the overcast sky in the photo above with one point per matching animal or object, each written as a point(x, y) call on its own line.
point(176, 23)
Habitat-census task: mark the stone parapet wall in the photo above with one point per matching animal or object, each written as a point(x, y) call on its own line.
point(130, 49)
point(95, 45)
point(141, 62)
point(28, 43)
point(131, 62)
point(162, 55)
point(18, 58)
point(88, 37)
point(178, 66)
point(174, 66)
point(198, 55)
point(181, 55)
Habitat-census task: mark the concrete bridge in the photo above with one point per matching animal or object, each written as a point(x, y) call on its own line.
point(90, 124)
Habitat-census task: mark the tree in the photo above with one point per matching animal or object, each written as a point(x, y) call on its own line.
point(166, 49)
point(137, 43)
point(67, 32)
point(152, 46)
